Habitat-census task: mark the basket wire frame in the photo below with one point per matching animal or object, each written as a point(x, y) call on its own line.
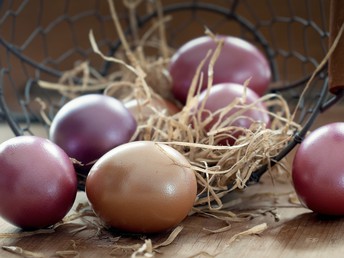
point(292, 34)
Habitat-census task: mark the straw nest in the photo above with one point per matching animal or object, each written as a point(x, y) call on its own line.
point(219, 169)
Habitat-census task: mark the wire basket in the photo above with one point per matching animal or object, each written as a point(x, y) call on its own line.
point(40, 40)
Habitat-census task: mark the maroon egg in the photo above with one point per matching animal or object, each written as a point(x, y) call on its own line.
point(38, 184)
point(90, 125)
point(318, 170)
point(221, 96)
point(239, 60)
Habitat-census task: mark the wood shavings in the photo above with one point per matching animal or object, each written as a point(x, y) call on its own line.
point(147, 249)
point(43, 110)
point(262, 211)
point(67, 254)
point(220, 230)
point(71, 252)
point(252, 231)
point(203, 254)
point(170, 238)
point(293, 199)
point(116, 247)
point(22, 252)
point(82, 78)
point(25, 253)
point(27, 233)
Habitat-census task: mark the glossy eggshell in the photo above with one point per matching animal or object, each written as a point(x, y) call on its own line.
point(223, 94)
point(38, 184)
point(238, 61)
point(90, 125)
point(142, 187)
point(318, 170)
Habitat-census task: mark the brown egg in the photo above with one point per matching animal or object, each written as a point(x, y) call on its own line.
point(142, 187)
point(141, 110)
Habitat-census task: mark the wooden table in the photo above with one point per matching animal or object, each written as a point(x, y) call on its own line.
point(291, 230)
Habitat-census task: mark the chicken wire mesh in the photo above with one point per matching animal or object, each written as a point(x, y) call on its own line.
point(40, 40)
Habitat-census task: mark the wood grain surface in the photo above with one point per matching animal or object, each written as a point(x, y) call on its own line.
point(297, 233)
